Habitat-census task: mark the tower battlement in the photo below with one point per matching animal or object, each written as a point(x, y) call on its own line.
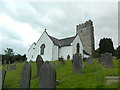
point(84, 25)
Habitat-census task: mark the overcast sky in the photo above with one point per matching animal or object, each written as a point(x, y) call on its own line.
point(22, 23)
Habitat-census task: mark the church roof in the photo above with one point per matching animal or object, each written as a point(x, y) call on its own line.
point(84, 52)
point(62, 42)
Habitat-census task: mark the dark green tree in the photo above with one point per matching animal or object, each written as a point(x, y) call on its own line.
point(106, 45)
point(9, 52)
point(96, 53)
point(8, 56)
point(117, 52)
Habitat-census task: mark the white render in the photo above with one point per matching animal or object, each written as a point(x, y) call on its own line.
point(77, 40)
point(52, 51)
point(65, 51)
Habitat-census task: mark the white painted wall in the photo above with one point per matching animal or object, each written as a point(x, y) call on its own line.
point(55, 52)
point(74, 44)
point(52, 52)
point(86, 56)
point(65, 51)
point(44, 39)
point(31, 52)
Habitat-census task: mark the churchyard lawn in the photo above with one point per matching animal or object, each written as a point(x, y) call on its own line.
point(93, 76)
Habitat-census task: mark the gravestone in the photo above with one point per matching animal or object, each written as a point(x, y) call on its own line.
point(83, 65)
point(47, 76)
point(5, 62)
point(9, 62)
point(89, 60)
point(3, 76)
point(39, 62)
point(25, 75)
point(11, 67)
point(106, 60)
point(77, 63)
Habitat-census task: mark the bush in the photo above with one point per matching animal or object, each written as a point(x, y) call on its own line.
point(61, 60)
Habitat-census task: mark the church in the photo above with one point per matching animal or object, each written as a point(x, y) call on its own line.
point(51, 48)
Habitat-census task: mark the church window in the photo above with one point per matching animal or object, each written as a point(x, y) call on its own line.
point(68, 57)
point(78, 47)
point(42, 48)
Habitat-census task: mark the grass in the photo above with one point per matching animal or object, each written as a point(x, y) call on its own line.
point(92, 76)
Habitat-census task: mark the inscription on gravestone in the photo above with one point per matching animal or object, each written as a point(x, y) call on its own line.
point(77, 63)
point(47, 76)
point(25, 75)
point(39, 62)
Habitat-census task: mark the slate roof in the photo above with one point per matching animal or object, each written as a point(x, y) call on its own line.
point(84, 52)
point(62, 42)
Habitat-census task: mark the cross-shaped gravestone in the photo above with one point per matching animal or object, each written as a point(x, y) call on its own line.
point(47, 76)
point(25, 75)
point(39, 62)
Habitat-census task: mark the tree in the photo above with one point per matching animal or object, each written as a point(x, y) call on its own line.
point(117, 52)
point(106, 45)
point(96, 53)
point(9, 52)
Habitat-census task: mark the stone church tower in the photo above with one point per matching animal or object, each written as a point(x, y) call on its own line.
point(86, 33)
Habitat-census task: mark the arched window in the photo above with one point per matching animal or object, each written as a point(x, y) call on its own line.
point(42, 48)
point(68, 57)
point(78, 47)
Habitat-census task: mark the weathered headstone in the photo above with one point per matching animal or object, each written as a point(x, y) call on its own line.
point(106, 60)
point(83, 65)
point(9, 62)
point(47, 76)
point(39, 62)
point(11, 67)
point(77, 63)
point(25, 75)
point(89, 60)
point(3, 76)
point(5, 62)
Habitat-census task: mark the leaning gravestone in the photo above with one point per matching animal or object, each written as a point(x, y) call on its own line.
point(77, 63)
point(47, 76)
point(25, 75)
point(39, 62)
point(106, 60)
point(3, 76)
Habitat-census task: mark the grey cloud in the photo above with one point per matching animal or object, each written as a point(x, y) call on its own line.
point(62, 22)
point(9, 33)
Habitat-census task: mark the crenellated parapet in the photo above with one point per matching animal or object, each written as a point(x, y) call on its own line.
point(87, 24)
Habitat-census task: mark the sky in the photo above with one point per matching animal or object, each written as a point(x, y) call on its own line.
point(22, 23)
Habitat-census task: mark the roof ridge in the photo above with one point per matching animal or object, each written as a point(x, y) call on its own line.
point(68, 37)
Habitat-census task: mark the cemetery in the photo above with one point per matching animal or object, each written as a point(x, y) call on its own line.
point(70, 62)
point(53, 74)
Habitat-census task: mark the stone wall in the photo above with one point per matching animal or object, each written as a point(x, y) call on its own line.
point(86, 33)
